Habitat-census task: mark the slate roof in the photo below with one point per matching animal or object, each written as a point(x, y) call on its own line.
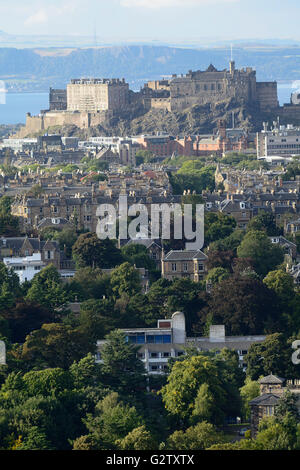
point(268, 399)
point(185, 255)
point(271, 379)
point(147, 242)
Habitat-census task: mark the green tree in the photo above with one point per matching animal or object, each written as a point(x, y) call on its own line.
point(271, 355)
point(249, 391)
point(47, 288)
point(257, 246)
point(125, 279)
point(89, 250)
point(217, 275)
point(245, 305)
point(112, 421)
point(199, 437)
point(218, 226)
point(96, 318)
point(264, 221)
point(121, 367)
point(138, 439)
point(181, 394)
point(56, 345)
point(281, 283)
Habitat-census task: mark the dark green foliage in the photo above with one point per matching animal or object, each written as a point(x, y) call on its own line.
point(90, 251)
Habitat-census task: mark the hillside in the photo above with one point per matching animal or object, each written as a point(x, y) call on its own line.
point(38, 69)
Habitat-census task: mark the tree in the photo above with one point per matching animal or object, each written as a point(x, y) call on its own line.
point(89, 250)
point(230, 243)
point(277, 434)
point(47, 289)
point(25, 317)
point(217, 275)
point(220, 259)
point(183, 396)
point(264, 221)
point(138, 439)
point(125, 279)
point(245, 305)
point(281, 283)
point(121, 367)
point(249, 391)
point(47, 382)
point(96, 318)
point(271, 355)
point(91, 283)
point(35, 440)
point(9, 224)
point(287, 405)
point(218, 226)
point(85, 372)
point(112, 422)
point(199, 437)
point(56, 346)
point(265, 255)
point(138, 255)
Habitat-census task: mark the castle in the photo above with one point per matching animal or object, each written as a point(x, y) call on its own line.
point(210, 86)
point(90, 102)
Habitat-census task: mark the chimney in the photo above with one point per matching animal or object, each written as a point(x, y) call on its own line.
point(217, 333)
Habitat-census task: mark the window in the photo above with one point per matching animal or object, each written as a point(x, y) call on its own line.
point(200, 267)
point(185, 266)
point(174, 267)
point(269, 410)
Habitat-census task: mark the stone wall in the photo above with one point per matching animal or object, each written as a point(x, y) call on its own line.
point(36, 124)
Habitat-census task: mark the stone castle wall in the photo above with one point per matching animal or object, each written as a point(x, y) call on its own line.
point(83, 120)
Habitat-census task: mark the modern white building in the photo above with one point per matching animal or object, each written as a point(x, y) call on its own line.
point(169, 340)
point(27, 267)
point(279, 141)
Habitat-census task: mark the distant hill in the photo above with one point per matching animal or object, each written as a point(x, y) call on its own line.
point(37, 69)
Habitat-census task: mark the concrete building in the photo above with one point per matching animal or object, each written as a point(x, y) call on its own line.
point(93, 95)
point(169, 340)
point(279, 141)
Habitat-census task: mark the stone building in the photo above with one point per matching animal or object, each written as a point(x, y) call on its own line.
point(271, 389)
point(184, 264)
point(22, 247)
point(93, 95)
point(211, 86)
point(57, 100)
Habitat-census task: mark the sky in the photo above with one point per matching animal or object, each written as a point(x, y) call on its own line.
point(154, 20)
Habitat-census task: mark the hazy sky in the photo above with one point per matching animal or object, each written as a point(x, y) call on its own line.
point(153, 19)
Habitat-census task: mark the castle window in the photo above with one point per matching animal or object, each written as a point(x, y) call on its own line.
point(212, 87)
